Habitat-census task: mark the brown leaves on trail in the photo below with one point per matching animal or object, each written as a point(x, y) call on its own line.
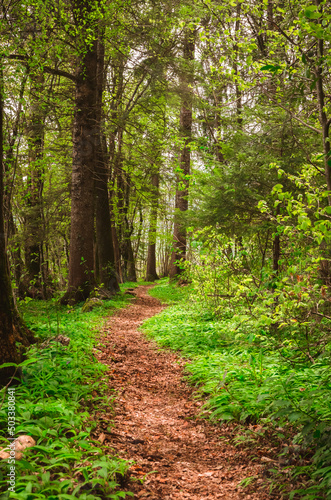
point(176, 455)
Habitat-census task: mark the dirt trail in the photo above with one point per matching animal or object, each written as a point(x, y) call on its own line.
point(156, 422)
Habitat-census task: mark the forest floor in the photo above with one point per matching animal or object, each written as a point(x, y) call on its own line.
point(175, 453)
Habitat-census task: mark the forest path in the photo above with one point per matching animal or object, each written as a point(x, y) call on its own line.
point(156, 422)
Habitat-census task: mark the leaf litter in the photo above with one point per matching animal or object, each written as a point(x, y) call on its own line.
point(175, 453)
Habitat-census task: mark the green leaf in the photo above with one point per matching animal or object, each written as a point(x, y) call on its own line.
point(311, 12)
point(271, 67)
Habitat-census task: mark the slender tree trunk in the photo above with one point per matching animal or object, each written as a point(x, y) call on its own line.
point(276, 253)
point(130, 267)
point(33, 231)
point(116, 247)
point(218, 123)
point(325, 123)
point(81, 262)
point(151, 274)
point(124, 229)
point(181, 201)
point(106, 259)
point(116, 244)
point(236, 69)
point(129, 263)
point(115, 157)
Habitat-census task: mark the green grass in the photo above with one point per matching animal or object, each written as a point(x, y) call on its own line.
point(243, 379)
point(56, 404)
point(169, 293)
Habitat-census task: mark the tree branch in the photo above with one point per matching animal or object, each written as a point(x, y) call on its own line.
point(47, 69)
point(314, 129)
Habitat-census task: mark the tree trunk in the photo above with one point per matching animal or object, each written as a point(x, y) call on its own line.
point(181, 201)
point(81, 263)
point(33, 231)
point(11, 330)
point(116, 246)
point(236, 68)
point(106, 260)
point(325, 123)
point(130, 264)
point(276, 253)
point(151, 274)
point(124, 228)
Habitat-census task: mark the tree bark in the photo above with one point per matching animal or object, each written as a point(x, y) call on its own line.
point(236, 68)
point(276, 253)
point(85, 139)
point(33, 231)
point(106, 260)
point(181, 200)
point(325, 123)
point(11, 329)
point(151, 274)
point(124, 227)
point(130, 264)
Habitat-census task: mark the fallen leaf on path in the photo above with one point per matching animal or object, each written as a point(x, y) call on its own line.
point(102, 437)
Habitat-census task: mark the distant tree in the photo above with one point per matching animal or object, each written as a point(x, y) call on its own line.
point(34, 276)
point(181, 201)
point(151, 273)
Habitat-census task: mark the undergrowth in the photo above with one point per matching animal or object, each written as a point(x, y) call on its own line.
point(243, 379)
point(61, 390)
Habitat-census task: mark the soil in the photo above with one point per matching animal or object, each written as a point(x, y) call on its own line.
point(176, 454)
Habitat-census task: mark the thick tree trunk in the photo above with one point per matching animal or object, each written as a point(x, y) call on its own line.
point(181, 201)
point(11, 330)
point(85, 139)
point(151, 274)
point(106, 260)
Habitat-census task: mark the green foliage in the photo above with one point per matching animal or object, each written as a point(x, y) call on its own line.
point(245, 369)
point(168, 292)
point(57, 404)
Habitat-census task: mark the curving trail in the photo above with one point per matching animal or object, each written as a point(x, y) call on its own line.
point(156, 422)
